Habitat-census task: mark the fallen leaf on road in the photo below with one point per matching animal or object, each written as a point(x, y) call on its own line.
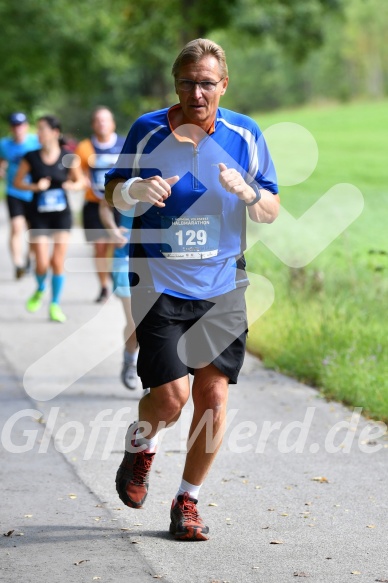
point(276, 542)
point(72, 496)
point(271, 509)
point(371, 526)
point(9, 533)
point(212, 504)
point(83, 561)
point(320, 479)
point(125, 528)
point(301, 574)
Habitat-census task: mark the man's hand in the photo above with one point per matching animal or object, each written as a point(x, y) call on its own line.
point(154, 190)
point(234, 183)
point(265, 211)
point(119, 236)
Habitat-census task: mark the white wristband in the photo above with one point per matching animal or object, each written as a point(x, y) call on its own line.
point(125, 191)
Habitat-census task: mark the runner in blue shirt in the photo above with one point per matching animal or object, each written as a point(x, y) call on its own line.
point(193, 172)
point(12, 150)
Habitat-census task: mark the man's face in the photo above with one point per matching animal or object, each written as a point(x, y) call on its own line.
point(19, 132)
point(103, 124)
point(200, 107)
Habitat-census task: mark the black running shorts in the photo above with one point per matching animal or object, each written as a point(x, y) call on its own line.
point(47, 224)
point(18, 207)
point(94, 229)
point(177, 336)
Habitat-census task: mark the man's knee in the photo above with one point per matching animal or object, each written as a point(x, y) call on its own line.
point(168, 402)
point(212, 395)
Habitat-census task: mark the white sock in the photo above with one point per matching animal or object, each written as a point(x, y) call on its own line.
point(130, 357)
point(149, 443)
point(132, 439)
point(192, 490)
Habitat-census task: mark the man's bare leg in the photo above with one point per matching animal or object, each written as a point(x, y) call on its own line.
point(210, 397)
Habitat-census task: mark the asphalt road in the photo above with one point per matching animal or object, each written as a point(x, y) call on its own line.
point(298, 490)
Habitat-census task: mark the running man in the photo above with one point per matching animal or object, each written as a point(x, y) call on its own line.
point(193, 172)
point(12, 149)
point(97, 155)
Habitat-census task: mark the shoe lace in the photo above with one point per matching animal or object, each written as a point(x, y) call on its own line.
point(142, 467)
point(189, 508)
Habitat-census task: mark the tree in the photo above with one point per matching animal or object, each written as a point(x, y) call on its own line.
point(71, 55)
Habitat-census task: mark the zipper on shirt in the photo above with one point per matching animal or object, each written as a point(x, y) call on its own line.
point(195, 168)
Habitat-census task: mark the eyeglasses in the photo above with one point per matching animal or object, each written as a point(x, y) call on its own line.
point(205, 86)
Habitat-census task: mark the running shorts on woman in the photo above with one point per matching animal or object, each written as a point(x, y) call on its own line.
point(46, 224)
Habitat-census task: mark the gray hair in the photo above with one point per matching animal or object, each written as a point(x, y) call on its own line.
point(196, 50)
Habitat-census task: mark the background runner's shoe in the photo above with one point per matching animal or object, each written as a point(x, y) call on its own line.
point(103, 296)
point(129, 375)
point(19, 272)
point(186, 524)
point(132, 479)
point(56, 314)
point(35, 302)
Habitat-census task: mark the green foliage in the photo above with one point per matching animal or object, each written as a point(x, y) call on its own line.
point(296, 26)
point(75, 54)
point(328, 325)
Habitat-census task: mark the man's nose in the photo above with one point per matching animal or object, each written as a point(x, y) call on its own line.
point(197, 91)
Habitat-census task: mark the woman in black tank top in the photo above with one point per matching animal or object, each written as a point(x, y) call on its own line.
point(52, 175)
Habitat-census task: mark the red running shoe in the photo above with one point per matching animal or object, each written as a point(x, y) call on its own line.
point(186, 523)
point(132, 478)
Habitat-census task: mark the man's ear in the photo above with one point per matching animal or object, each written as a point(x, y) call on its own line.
point(224, 85)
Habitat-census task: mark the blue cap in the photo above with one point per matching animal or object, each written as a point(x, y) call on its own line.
point(15, 119)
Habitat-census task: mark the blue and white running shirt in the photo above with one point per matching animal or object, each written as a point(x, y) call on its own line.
point(192, 245)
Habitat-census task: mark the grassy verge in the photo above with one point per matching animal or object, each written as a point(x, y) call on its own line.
point(328, 325)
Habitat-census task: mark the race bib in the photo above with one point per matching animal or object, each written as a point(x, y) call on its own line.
point(190, 237)
point(52, 200)
point(102, 163)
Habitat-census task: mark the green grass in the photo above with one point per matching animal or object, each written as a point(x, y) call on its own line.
point(328, 325)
